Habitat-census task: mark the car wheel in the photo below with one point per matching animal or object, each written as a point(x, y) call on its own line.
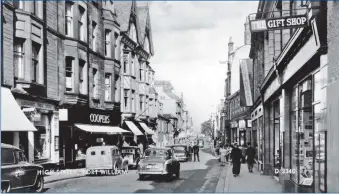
point(141, 177)
point(39, 185)
point(5, 188)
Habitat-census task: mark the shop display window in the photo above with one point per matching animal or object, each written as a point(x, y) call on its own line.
point(277, 138)
point(261, 137)
point(308, 134)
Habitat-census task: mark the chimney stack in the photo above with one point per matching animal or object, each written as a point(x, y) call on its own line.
point(230, 46)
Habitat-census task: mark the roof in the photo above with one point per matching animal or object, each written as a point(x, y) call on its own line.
point(157, 148)
point(4, 145)
point(124, 9)
point(142, 16)
point(130, 147)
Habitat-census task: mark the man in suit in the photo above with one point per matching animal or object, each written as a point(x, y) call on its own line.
point(236, 155)
point(196, 152)
point(250, 154)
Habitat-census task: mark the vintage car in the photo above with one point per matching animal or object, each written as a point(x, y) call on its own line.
point(131, 156)
point(180, 152)
point(104, 160)
point(159, 161)
point(18, 174)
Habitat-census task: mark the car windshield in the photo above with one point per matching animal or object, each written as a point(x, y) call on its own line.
point(179, 149)
point(155, 153)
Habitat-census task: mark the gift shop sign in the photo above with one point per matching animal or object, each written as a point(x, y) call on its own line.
point(278, 23)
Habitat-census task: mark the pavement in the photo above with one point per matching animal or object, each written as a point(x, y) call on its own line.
point(206, 176)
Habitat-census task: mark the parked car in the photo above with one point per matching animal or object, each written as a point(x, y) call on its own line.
point(104, 160)
point(159, 161)
point(17, 173)
point(180, 152)
point(131, 156)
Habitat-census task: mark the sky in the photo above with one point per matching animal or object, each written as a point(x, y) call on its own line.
point(190, 38)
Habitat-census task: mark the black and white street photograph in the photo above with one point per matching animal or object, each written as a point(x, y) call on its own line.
point(129, 96)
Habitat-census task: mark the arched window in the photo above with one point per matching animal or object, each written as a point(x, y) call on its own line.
point(133, 33)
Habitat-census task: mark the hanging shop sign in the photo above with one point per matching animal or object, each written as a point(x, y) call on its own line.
point(128, 42)
point(278, 23)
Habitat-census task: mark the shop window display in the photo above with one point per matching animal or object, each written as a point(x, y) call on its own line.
point(308, 139)
point(276, 136)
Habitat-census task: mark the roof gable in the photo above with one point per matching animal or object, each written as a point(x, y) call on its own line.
point(145, 27)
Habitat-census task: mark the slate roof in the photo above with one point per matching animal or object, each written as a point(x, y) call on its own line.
point(142, 15)
point(123, 10)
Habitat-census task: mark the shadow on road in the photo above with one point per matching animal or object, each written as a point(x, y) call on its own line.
point(191, 184)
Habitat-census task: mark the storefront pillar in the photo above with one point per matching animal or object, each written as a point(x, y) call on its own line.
point(16, 139)
point(55, 137)
point(30, 136)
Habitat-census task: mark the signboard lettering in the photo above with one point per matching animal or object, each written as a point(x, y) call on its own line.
point(278, 23)
point(128, 42)
point(97, 118)
point(143, 53)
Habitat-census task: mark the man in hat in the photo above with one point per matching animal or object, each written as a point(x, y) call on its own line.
point(236, 155)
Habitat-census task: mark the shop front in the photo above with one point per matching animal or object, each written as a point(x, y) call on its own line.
point(39, 145)
point(234, 132)
point(82, 127)
point(294, 102)
point(257, 135)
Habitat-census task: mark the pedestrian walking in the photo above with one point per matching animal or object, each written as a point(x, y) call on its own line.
point(223, 155)
point(190, 151)
point(228, 152)
point(236, 155)
point(250, 153)
point(196, 152)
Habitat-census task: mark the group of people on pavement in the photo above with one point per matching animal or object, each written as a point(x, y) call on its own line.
point(236, 155)
point(193, 150)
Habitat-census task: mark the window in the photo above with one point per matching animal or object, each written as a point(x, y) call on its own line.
point(133, 101)
point(82, 23)
point(302, 132)
point(20, 156)
point(116, 45)
point(141, 72)
point(69, 74)
point(277, 155)
point(126, 99)
point(36, 8)
point(108, 87)
point(35, 62)
point(7, 156)
point(19, 57)
point(141, 104)
point(95, 83)
point(19, 4)
point(82, 77)
point(133, 58)
point(69, 19)
point(126, 61)
point(117, 89)
point(108, 46)
point(94, 38)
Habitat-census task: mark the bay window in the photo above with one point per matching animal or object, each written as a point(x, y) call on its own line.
point(108, 46)
point(69, 74)
point(82, 77)
point(133, 101)
point(133, 61)
point(69, 19)
point(95, 88)
point(19, 57)
point(117, 89)
point(108, 87)
point(141, 75)
point(82, 24)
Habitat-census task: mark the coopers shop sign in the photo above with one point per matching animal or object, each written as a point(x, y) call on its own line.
point(98, 118)
point(278, 23)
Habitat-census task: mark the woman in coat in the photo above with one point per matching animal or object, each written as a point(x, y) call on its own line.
point(236, 155)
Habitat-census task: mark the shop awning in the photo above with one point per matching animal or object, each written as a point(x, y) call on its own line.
point(101, 129)
point(147, 130)
point(133, 128)
point(12, 117)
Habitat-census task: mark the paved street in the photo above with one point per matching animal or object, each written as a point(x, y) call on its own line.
point(195, 177)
